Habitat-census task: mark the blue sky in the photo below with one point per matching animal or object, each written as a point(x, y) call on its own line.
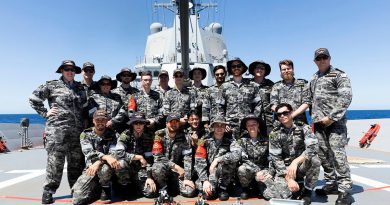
point(37, 35)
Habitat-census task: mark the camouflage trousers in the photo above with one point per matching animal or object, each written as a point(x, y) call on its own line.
point(61, 145)
point(308, 170)
point(166, 178)
point(246, 174)
point(133, 173)
point(332, 141)
point(87, 187)
point(222, 177)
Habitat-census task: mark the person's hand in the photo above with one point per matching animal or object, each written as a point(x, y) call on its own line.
point(228, 129)
point(262, 175)
point(326, 121)
point(143, 162)
point(179, 170)
point(112, 162)
point(207, 188)
point(206, 126)
point(109, 124)
point(92, 170)
point(151, 123)
point(292, 185)
point(213, 165)
point(292, 170)
point(189, 183)
point(150, 183)
point(53, 111)
point(183, 121)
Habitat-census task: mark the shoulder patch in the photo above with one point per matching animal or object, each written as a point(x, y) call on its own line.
point(82, 136)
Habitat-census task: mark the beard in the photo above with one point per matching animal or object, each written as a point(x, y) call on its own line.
point(288, 76)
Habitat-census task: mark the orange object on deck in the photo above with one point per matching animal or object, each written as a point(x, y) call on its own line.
point(370, 135)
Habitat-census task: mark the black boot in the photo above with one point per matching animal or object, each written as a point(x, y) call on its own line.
point(245, 193)
point(47, 198)
point(306, 196)
point(223, 195)
point(344, 198)
point(105, 196)
point(327, 189)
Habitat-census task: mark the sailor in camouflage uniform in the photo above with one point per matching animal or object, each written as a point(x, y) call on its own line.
point(162, 87)
point(199, 93)
point(219, 75)
point(88, 71)
point(238, 97)
point(178, 99)
point(260, 70)
point(134, 151)
point(104, 98)
point(98, 144)
point(67, 100)
point(146, 101)
point(171, 154)
point(254, 156)
point(215, 161)
point(293, 151)
point(331, 92)
point(292, 91)
point(125, 76)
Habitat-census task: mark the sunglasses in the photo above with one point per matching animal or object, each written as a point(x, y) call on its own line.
point(219, 74)
point(126, 75)
point(178, 76)
point(104, 84)
point(138, 123)
point(319, 58)
point(69, 69)
point(88, 71)
point(285, 113)
point(237, 66)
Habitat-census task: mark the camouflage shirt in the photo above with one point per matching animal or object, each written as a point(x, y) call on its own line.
point(94, 146)
point(177, 101)
point(213, 101)
point(128, 146)
point(265, 90)
point(288, 144)
point(227, 150)
point(294, 94)
point(200, 101)
point(125, 92)
point(150, 104)
point(254, 152)
point(161, 91)
point(238, 100)
point(110, 103)
point(174, 151)
point(331, 94)
point(71, 101)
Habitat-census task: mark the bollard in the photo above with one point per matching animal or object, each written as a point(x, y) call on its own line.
point(25, 140)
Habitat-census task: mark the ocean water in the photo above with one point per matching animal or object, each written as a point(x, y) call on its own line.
point(351, 115)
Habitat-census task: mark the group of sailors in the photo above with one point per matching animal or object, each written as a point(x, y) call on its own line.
point(242, 136)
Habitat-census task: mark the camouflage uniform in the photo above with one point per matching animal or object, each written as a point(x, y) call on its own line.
point(125, 92)
point(89, 89)
point(178, 101)
point(110, 103)
point(161, 91)
point(295, 94)
point(287, 144)
point(213, 101)
point(94, 148)
point(62, 130)
point(228, 151)
point(202, 105)
point(332, 95)
point(254, 158)
point(268, 116)
point(176, 151)
point(131, 171)
point(237, 101)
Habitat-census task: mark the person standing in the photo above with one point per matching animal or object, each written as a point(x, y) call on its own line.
point(238, 97)
point(219, 75)
point(331, 93)
point(292, 91)
point(125, 76)
point(199, 93)
point(67, 100)
point(163, 79)
point(260, 70)
point(88, 71)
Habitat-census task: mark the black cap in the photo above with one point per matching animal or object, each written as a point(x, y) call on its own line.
point(138, 117)
point(96, 86)
point(321, 51)
point(125, 69)
point(163, 72)
point(229, 65)
point(172, 116)
point(178, 70)
point(88, 65)
point(204, 72)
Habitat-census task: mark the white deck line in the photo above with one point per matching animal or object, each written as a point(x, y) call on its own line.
point(377, 166)
point(369, 182)
point(31, 174)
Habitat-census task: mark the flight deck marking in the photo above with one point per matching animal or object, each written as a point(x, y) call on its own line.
point(30, 174)
point(369, 182)
point(377, 166)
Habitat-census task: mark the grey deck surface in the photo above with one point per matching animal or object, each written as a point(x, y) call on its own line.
point(22, 174)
